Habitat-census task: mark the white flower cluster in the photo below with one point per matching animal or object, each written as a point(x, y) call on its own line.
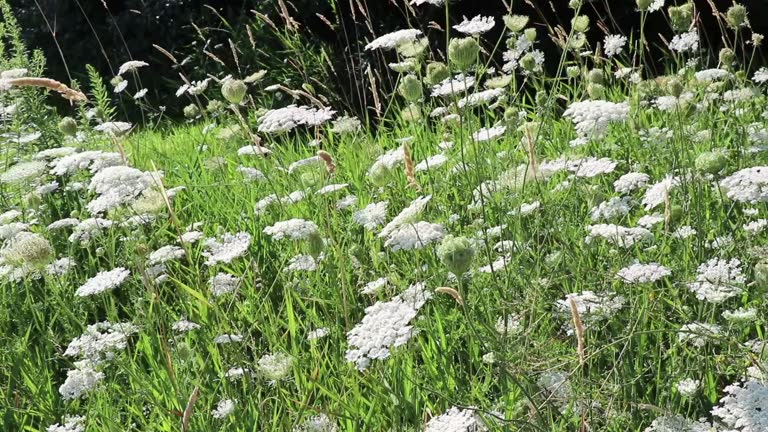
point(294, 229)
point(630, 182)
point(385, 325)
point(223, 409)
point(643, 273)
point(223, 283)
point(456, 420)
point(275, 366)
point(394, 39)
point(414, 236)
point(618, 235)
point(710, 75)
point(321, 422)
point(683, 42)
point(718, 280)
point(659, 192)
point(372, 215)
point(698, 333)
point(748, 185)
point(489, 133)
point(230, 246)
point(80, 381)
point(592, 117)
point(165, 254)
point(591, 307)
point(117, 185)
point(94, 160)
point(451, 86)
point(476, 26)
point(387, 161)
point(100, 341)
point(743, 408)
point(103, 281)
point(480, 98)
point(431, 162)
point(285, 119)
point(688, 387)
point(614, 44)
point(611, 209)
point(89, 228)
point(71, 424)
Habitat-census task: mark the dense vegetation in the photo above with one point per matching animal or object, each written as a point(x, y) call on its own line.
point(568, 242)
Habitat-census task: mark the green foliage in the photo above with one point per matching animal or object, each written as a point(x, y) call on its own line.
point(103, 104)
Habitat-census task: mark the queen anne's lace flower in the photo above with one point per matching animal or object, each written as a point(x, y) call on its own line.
point(100, 341)
point(223, 409)
point(80, 381)
point(285, 119)
point(611, 209)
point(103, 281)
point(658, 193)
point(414, 236)
point(456, 420)
point(385, 325)
point(321, 422)
point(748, 185)
point(488, 133)
point(618, 235)
point(451, 86)
point(684, 42)
point(743, 408)
point(394, 39)
point(592, 307)
point(71, 424)
point(294, 229)
point(718, 280)
point(230, 246)
point(407, 215)
point(223, 283)
point(131, 66)
point(117, 185)
point(698, 333)
point(591, 118)
point(643, 273)
point(630, 182)
point(476, 26)
point(613, 44)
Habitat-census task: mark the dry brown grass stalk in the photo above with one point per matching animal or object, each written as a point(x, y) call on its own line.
point(578, 330)
point(410, 171)
point(50, 84)
point(328, 159)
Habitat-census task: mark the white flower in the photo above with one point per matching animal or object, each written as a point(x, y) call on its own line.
point(683, 42)
point(414, 236)
point(346, 202)
point(431, 162)
point(743, 408)
point(60, 267)
point(301, 263)
point(394, 39)
point(456, 420)
point(230, 247)
point(294, 229)
point(79, 382)
point(95, 160)
point(614, 44)
point(488, 133)
point(117, 185)
point(630, 182)
point(328, 189)
point(385, 325)
point(122, 85)
point(684, 232)
point(650, 220)
point(406, 215)
point(512, 325)
point(183, 326)
point(718, 280)
point(590, 306)
point(710, 75)
point(71, 424)
point(659, 192)
point(88, 229)
point(740, 315)
point(251, 174)
point(224, 408)
point(450, 86)
point(14, 73)
point(275, 366)
point(9, 216)
point(23, 172)
point(688, 387)
point(313, 160)
point(611, 209)
point(756, 227)
point(140, 94)
point(476, 26)
point(656, 5)
point(317, 333)
point(227, 338)
point(747, 185)
point(285, 119)
point(698, 333)
point(223, 283)
point(165, 254)
point(643, 273)
point(618, 235)
point(592, 117)
point(131, 66)
point(103, 281)
point(114, 128)
point(481, 98)
point(100, 341)
point(375, 286)
point(322, 423)
point(761, 75)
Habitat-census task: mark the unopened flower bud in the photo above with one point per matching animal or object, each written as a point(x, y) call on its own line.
point(574, 4)
point(643, 5)
point(410, 88)
point(572, 71)
point(191, 111)
point(316, 245)
point(234, 91)
point(68, 126)
point(727, 57)
point(596, 91)
point(516, 23)
point(761, 274)
point(596, 76)
point(456, 253)
point(681, 17)
point(528, 62)
point(580, 23)
point(437, 72)
point(736, 16)
point(463, 52)
point(711, 162)
point(530, 34)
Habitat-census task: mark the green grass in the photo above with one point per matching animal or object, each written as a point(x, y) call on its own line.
point(632, 358)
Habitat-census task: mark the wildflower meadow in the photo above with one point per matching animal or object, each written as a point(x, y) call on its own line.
point(508, 241)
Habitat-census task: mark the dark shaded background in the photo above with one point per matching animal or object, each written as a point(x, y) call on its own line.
point(87, 33)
